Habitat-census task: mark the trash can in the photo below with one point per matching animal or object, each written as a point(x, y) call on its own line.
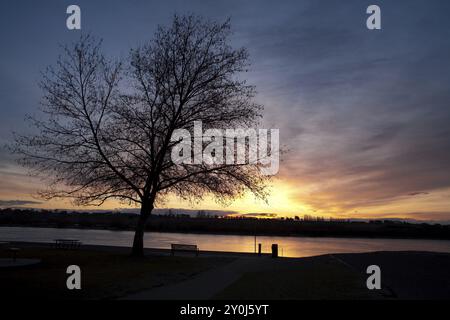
point(274, 250)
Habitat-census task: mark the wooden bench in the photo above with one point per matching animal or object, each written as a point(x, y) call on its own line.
point(68, 244)
point(184, 247)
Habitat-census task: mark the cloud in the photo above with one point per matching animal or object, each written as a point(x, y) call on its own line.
point(370, 118)
point(17, 203)
point(257, 215)
point(418, 193)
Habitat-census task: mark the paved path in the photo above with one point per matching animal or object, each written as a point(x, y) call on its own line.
point(206, 285)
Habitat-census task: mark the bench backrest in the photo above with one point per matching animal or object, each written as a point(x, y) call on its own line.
point(187, 247)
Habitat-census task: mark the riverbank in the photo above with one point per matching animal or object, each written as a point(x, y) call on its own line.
point(110, 273)
point(295, 247)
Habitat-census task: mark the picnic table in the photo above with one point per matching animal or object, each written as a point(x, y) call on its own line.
point(69, 244)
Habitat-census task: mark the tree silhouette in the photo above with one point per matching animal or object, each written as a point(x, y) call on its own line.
point(107, 126)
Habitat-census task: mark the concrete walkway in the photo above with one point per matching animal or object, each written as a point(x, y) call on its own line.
point(206, 285)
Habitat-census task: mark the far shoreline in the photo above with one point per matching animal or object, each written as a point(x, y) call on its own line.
point(213, 225)
point(193, 232)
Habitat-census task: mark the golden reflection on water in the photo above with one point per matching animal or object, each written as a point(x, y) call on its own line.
point(288, 246)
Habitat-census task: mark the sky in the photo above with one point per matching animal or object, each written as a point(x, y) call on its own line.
point(364, 114)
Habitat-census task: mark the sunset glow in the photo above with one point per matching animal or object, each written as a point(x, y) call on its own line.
point(365, 130)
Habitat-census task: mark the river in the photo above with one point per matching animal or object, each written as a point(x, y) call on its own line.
point(288, 246)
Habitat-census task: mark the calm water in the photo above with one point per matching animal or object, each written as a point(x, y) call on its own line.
point(289, 246)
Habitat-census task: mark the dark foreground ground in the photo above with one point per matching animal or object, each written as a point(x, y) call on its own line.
point(404, 275)
point(109, 273)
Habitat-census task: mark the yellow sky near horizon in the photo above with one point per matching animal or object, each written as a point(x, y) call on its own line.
point(287, 198)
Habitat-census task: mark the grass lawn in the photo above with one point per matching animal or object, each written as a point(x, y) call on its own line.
point(103, 274)
point(297, 279)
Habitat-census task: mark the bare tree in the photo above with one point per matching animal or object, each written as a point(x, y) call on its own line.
point(107, 130)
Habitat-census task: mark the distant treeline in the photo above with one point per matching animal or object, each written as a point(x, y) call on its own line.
point(224, 225)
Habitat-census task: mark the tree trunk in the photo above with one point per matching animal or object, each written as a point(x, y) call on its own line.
point(138, 242)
